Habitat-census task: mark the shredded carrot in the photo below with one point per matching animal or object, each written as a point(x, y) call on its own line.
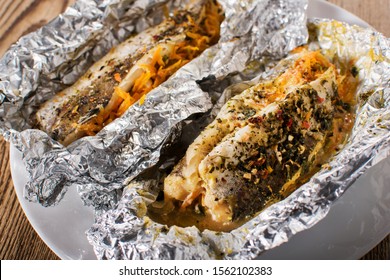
point(200, 34)
point(306, 68)
point(117, 77)
point(142, 99)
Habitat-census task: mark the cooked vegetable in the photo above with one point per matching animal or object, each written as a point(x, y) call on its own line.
point(129, 71)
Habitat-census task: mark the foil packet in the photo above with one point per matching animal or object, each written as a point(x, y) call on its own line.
point(49, 60)
point(126, 232)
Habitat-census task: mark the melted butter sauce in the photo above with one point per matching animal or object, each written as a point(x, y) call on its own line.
point(190, 217)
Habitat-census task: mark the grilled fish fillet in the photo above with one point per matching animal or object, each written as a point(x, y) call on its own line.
point(128, 72)
point(261, 144)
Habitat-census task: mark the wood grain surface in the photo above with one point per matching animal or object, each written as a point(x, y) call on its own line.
point(18, 240)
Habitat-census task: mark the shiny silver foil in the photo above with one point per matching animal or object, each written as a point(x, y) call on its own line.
point(46, 61)
point(54, 57)
point(126, 232)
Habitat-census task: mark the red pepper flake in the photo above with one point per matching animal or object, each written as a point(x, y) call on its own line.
point(289, 123)
point(259, 162)
point(306, 124)
point(279, 114)
point(256, 120)
point(320, 99)
point(264, 173)
point(157, 37)
point(117, 77)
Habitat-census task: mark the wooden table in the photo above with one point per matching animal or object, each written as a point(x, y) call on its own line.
point(18, 240)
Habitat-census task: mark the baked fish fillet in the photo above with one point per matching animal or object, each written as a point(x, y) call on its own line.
point(261, 144)
point(129, 71)
point(184, 182)
point(269, 155)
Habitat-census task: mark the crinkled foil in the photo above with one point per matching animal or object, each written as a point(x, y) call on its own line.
point(126, 232)
point(46, 61)
point(141, 141)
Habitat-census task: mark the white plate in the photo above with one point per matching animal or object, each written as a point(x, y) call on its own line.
point(61, 227)
point(355, 224)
